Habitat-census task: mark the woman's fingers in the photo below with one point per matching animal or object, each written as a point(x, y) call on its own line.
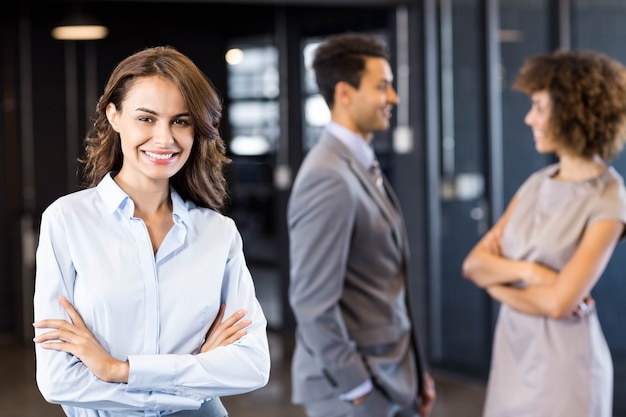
point(75, 338)
point(236, 335)
point(64, 336)
point(218, 319)
point(225, 332)
point(53, 324)
point(585, 307)
point(77, 320)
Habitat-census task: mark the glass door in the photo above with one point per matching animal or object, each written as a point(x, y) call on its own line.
point(253, 119)
point(485, 151)
point(598, 25)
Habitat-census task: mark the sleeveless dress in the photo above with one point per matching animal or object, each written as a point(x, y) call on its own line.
point(542, 367)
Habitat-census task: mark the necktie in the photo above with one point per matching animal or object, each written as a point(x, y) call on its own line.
point(377, 175)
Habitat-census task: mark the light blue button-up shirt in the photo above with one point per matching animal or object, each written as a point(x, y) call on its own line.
point(362, 151)
point(152, 310)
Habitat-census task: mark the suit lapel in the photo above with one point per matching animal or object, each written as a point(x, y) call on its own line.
point(399, 226)
point(388, 205)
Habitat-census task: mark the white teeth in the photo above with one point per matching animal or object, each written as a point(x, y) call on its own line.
point(159, 155)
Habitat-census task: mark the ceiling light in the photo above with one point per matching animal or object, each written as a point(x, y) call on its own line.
point(78, 27)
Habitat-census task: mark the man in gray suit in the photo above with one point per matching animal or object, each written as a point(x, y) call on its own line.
point(356, 351)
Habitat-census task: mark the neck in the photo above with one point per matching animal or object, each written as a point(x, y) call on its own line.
point(351, 126)
point(148, 198)
point(574, 168)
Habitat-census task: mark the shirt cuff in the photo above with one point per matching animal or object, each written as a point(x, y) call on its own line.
point(365, 388)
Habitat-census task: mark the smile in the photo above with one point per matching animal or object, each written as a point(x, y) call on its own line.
point(159, 156)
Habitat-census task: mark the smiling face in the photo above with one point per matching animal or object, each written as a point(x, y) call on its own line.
point(538, 118)
point(370, 105)
point(155, 130)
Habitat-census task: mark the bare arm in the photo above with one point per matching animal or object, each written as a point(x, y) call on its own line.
point(485, 265)
point(574, 282)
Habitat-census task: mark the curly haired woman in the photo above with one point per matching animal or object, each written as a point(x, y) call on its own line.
point(543, 257)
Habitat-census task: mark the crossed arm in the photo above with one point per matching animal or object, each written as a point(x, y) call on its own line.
point(545, 292)
point(75, 337)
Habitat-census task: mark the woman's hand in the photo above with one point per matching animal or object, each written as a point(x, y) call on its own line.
point(74, 337)
point(225, 332)
point(585, 307)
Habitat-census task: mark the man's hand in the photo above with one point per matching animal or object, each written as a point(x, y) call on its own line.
point(428, 396)
point(359, 400)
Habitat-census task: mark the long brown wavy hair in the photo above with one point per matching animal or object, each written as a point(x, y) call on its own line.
point(201, 179)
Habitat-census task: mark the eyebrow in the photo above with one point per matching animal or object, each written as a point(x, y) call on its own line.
point(143, 109)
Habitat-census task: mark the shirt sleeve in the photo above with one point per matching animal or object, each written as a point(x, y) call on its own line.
point(361, 390)
point(61, 377)
point(610, 204)
point(228, 370)
point(156, 382)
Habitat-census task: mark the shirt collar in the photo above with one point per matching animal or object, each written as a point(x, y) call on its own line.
point(361, 150)
point(115, 198)
point(112, 195)
point(180, 208)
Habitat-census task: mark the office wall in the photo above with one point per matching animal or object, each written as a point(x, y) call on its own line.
point(49, 88)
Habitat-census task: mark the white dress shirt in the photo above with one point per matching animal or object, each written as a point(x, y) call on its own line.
point(153, 310)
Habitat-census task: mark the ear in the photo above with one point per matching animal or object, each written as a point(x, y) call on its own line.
point(343, 93)
point(112, 116)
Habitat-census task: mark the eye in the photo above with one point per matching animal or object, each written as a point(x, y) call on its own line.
point(538, 107)
point(181, 122)
point(146, 119)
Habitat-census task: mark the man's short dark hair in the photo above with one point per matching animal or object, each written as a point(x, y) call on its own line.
point(342, 57)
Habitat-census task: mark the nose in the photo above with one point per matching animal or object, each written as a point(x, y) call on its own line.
point(528, 118)
point(392, 96)
point(162, 134)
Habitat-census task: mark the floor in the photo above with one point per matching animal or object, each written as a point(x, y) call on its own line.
point(19, 396)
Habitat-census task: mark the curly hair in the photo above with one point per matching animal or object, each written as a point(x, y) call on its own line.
point(588, 93)
point(342, 58)
point(201, 179)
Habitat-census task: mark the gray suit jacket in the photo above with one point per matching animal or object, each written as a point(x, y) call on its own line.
point(348, 257)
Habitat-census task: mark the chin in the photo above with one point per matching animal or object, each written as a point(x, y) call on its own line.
point(543, 150)
point(381, 126)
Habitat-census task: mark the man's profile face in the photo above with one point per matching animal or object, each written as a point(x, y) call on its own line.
point(373, 100)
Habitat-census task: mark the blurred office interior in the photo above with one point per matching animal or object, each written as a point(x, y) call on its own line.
point(457, 151)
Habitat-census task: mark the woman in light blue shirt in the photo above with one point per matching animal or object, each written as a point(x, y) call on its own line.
point(136, 272)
